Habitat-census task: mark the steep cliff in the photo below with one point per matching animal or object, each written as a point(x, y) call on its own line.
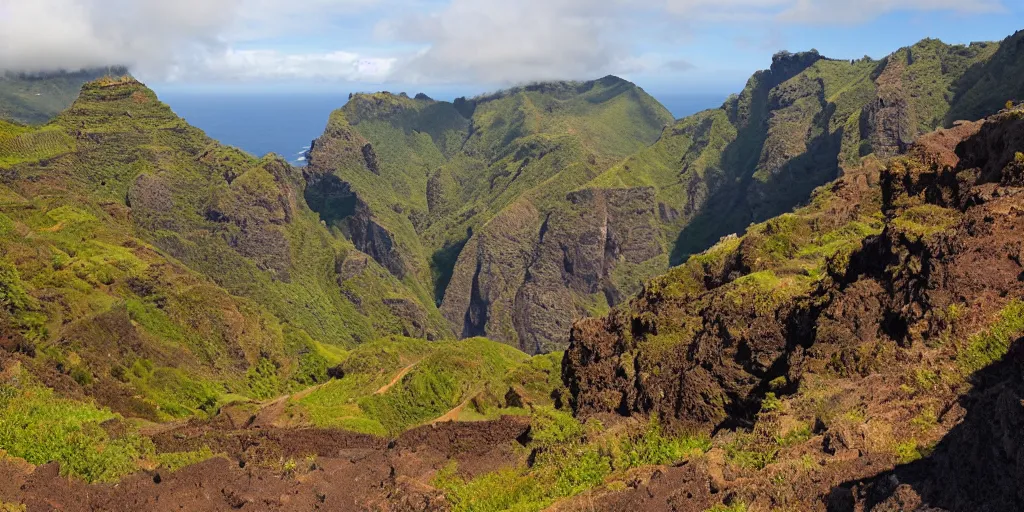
point(469, 188)
point(410, 180)
point(866, 318)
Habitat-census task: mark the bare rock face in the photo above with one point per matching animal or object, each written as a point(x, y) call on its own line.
point(370, 237)
point(888, 122)
point(524, 278)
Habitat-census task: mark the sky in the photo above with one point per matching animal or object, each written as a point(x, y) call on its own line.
point(441, 46)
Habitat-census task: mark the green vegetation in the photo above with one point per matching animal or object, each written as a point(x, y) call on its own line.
point(570, 458)
point(219, 283)
point(394, 384)
point(39, 427)
point(991, 345)
point(737, 506)
point(430, 173)
point(174, 461)
point(653, 447)
point(925, 221)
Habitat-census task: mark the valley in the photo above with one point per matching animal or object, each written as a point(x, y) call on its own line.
point(552, 297)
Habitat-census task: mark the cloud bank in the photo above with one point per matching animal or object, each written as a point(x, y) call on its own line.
point(490, 41)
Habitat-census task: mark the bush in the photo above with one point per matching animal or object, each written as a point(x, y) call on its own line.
point(550, 427)
point(12, 291)
point(653, 447)
point(40, 428)
point(263, 381)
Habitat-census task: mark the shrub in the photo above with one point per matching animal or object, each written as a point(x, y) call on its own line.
point(262, 378)
point(549, 427)
point(653, 447)
point(12, 291)
point(40, 428)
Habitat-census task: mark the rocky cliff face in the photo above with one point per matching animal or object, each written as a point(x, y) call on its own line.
point(480, 200)
point(438, 180)
point(515, 281)
point(899, 281)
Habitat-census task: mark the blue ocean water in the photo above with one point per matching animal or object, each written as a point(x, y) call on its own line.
point(682, 105)
point(258, 123)
point(281, 123)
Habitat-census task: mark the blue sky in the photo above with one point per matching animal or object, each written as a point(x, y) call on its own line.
point(469, 46)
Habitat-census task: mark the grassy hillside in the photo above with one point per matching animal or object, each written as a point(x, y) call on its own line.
point(163, 274)
point(394, 384)
point(526, 209)
point(409, 180)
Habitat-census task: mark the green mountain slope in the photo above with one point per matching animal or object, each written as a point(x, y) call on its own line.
point(162, 273)
point(409, 180)
point(531, 208)
point(37, 98)
point(709, 175)
point(861, 340)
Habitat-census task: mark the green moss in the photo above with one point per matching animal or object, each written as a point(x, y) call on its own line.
point(925, 221)
point(991, 345)
point(908, 451)
point(174, 461)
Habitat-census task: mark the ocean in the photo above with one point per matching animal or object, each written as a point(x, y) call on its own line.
point(286, 123)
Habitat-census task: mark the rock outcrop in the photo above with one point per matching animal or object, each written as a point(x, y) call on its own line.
point(706, 342)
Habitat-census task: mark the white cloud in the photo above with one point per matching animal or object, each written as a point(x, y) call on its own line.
point(505, 41)
point(818, 11)
point(844, 11)
point(260, 65)
point(490, 41)
point(184, 38)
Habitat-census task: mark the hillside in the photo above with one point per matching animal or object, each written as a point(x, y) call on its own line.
point(859, 353)
point(161, 273)
point(36, 98)
point(851, 353)
point(531, 208)
point(186, 326)
point(410, 180)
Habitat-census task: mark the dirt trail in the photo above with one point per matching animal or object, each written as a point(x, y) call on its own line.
point(452, 415)
point(404, 371)
point(308, 391)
